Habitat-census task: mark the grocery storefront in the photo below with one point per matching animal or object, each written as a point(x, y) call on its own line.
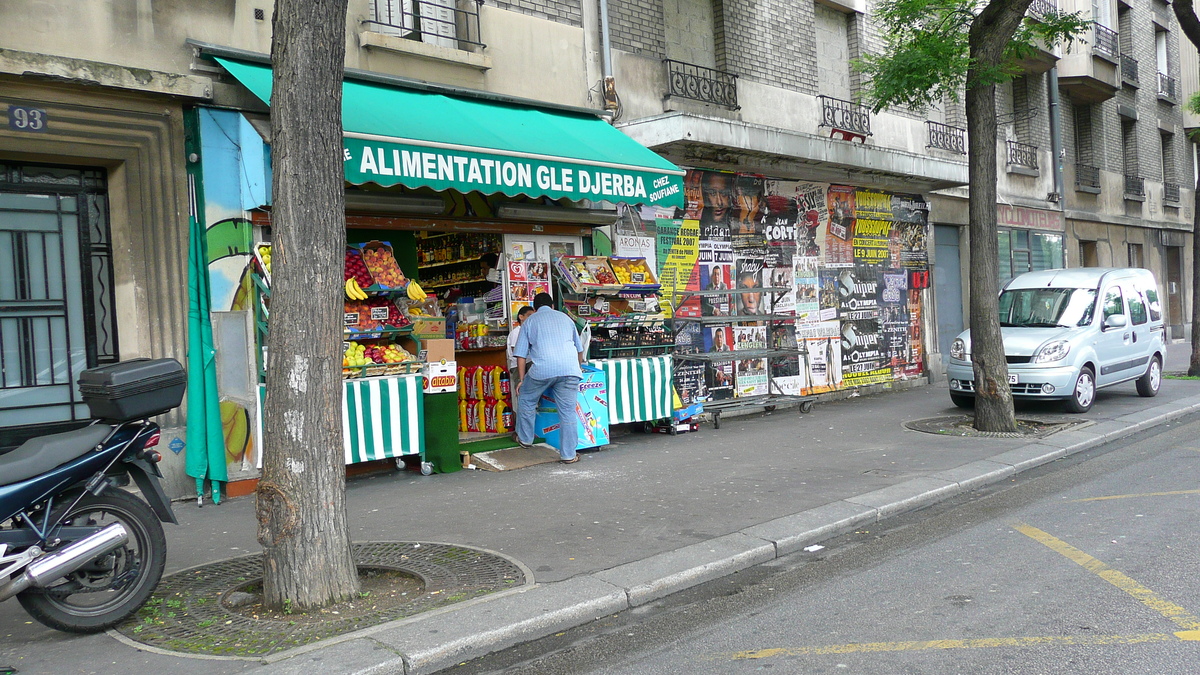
point(453, 224)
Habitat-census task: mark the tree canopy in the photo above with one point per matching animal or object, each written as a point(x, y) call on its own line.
point(927, 54)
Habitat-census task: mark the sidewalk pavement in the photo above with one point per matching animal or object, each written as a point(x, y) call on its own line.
point(645, 517)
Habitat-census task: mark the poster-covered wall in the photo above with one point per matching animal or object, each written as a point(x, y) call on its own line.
point(852, 262)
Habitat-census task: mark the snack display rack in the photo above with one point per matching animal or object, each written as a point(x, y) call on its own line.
point(617, 299)
point(774, 395)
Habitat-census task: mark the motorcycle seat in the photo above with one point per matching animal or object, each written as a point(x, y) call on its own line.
point(39, 455)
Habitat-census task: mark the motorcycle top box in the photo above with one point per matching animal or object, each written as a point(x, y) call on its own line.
point(134, 389)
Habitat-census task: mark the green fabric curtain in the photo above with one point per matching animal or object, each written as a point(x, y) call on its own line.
point(205, 437)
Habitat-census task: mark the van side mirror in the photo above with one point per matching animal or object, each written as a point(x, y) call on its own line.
point(1115, 321)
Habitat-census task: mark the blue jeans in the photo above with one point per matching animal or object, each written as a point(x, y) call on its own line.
point(564, 390)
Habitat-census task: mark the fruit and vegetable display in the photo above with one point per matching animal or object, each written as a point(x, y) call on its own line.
point(382, 265)
point(264, 254)
point(632, 271)
point(359, 354)
point(373, 314)
point(356, 269)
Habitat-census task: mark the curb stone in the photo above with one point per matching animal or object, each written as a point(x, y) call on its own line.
point(492, 625)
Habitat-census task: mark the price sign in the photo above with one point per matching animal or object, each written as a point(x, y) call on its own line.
point(350, 318)
point(21, 118)
point(584, 310)
point(637, 277)
point(379, 313)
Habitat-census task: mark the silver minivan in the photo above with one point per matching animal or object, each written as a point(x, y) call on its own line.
point(1069, 332)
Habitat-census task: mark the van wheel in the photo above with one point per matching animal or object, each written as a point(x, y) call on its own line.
point(965, 402)
point(1084, 393)
point(1151, 380)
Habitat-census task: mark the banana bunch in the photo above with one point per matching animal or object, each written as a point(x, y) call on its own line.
point(415, 292)
point(354, 291)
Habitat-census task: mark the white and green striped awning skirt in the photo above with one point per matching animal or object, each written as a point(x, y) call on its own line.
point(382, 418)
point(639, 389)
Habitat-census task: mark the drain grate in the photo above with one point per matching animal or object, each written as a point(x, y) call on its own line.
point(186, 613)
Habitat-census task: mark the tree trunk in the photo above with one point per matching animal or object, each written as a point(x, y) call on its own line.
point(1185, 12)
point(301, 498)
point(990, 33)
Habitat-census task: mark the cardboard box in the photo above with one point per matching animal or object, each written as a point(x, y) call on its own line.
point(591, 412)
point(438, 378)
point(429, 326)
point(438, 350)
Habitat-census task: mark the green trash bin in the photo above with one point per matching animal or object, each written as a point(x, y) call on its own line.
point(441, 432)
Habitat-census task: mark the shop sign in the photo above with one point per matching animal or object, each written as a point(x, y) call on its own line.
point(390, 163)
point(1033, 219)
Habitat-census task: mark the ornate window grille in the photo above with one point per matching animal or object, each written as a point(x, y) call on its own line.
point(1041, 8)
point(1171, 192)
point(1107, 41)
point(1129, 69)
point(699, 83)
point(946, 137)
point(849, 119)
point(446, 23)
point(1135, 185)
point(1087, 176)
point(1022, 154)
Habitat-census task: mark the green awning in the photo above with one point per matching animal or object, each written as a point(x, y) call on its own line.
point(416, 138)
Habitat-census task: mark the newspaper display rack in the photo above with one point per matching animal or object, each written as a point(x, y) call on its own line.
point(774, 394)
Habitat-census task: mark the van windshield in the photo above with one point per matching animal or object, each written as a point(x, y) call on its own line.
point(1047, 307)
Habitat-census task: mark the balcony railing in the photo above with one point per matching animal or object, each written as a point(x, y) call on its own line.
point(701, 84)
point(1041, 8)
point(1135, 186)
point(845, 116)
point(1129, 69)
point(1166, 86)
point(1087, 176)
point(946, 137)
point(1171, 192)
point(1022, 154)
point(446, 23)
point(1106, 41)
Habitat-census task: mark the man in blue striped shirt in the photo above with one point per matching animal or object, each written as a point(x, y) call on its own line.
point(549, 339)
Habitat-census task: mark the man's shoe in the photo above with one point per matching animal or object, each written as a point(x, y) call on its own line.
point(569, 461)
point(521, 443)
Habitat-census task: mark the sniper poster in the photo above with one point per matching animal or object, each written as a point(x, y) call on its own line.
point(858, 293)
point(863, 355)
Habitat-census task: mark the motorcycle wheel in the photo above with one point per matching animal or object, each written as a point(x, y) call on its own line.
point(113, 586)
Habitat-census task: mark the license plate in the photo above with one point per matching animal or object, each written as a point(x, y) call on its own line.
point(1012, 379)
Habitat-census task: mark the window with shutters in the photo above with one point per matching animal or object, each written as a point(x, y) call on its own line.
point(446, 23)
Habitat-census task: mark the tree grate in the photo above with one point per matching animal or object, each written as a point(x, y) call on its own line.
point(187, 612)
point(1039, 426)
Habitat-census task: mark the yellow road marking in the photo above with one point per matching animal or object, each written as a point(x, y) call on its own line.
point(977, 643)
point(1143, 494)
point(1182, 618)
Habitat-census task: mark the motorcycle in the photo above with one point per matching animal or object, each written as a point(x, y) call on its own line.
point(78, 552)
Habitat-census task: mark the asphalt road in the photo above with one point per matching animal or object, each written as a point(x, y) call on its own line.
point(1088, 565)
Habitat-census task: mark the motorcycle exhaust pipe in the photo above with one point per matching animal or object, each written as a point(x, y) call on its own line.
point(48, 569)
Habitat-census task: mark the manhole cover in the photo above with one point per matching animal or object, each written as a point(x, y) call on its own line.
point(186, 613)
point(961, 425)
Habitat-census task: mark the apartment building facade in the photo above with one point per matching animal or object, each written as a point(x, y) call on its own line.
point(113, 110)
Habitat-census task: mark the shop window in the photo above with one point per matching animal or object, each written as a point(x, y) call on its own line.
point(1135, 255)
point(1025, 251)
